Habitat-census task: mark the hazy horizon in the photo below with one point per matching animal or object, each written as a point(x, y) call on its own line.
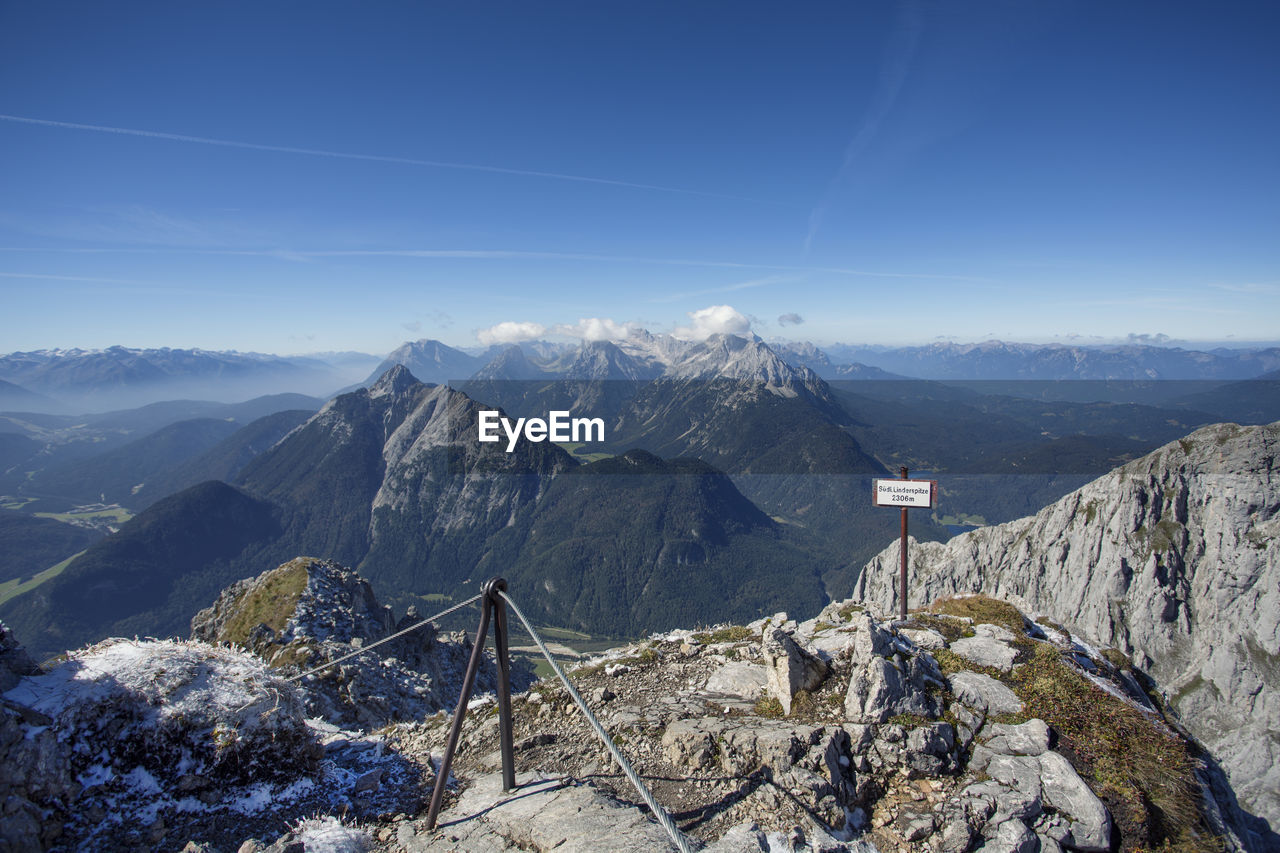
point(475, 348)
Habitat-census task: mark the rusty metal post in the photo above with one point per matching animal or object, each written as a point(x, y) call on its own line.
point(493, 590)
point(468, 680)
point(902, 563)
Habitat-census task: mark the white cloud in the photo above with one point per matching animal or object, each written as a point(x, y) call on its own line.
point(596, 329)
point(715, 319)
point(790, 320)
point(510, 332)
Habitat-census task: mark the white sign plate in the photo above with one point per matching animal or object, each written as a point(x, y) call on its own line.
point(905, 493)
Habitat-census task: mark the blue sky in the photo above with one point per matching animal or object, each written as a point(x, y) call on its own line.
point(886, 172)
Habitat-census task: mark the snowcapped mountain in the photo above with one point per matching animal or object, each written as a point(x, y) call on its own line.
point(644, 356)
point(511, 365)
point(119, 377)
point(1006, 360)
point(603, 360)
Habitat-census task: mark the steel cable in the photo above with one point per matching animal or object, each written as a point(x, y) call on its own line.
point(372, 646)
point(681, 841)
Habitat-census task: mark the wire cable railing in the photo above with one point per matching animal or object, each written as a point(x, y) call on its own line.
point(396, 635)
point(493, 598)
point(494, 604)
point(678, 837)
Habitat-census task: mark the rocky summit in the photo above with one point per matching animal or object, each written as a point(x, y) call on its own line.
point(900, 736)
point(1171, 561)
point(307, 612)
point(969, 726)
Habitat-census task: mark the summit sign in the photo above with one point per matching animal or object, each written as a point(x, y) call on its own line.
point(905, 493)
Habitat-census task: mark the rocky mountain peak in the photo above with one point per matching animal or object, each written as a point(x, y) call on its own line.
point(307, 611)
point(604, 360)
point(393, 382)
point(510, 364)
point(733, 357)
point(429, 360)
point(1172, 561)
point(305, 599)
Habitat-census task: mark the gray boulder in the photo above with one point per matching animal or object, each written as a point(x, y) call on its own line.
point(789, 668)
point(1022, 798)
point(985, 651)
point(1066, 792)
point(1029, 738)
point(736, 678)
point(925, 638)
point(1012, 836)
point(984, 693)
point(929, 748)
point(883, 688)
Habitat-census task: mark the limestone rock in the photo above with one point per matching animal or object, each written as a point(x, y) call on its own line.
point(789, 668)
point(1173, 559)
point(925, 638)
point(1029, 738)
point(1066, 792)
point(736, 678)
point(870, 640)
point(1012, 837)
point(1022, 798)
point(743, 838)
point(888, 676)
point(541, 814)
point(984, 693)
point(985, 651)
point(929, 748)
point(212, 711)
point(882, 688)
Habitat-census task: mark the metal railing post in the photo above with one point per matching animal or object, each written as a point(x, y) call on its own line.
point(493, 590)
point(468, 680)
point(492, 601)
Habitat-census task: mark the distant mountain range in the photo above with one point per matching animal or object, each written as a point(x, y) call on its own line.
point(1000, 360)
point(389, 478)
point(80, 380)
point(60, 460)
point(15, 398)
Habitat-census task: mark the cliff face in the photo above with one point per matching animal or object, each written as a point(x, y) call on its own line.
point(1172, 559)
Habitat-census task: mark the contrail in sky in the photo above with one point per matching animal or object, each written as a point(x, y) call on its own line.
point(898, 55)
point(375, 158)
point(45, 277)
point(499, 254)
